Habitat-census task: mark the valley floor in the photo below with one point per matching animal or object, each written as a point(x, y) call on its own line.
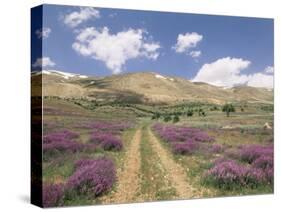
point(146, 167)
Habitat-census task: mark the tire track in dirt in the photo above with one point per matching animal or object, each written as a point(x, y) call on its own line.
point(128, 177)
point(155, 184)
point(175, 172)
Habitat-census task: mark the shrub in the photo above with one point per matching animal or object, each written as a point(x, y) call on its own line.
point(106, 140)
point(203, 137)
point(111, 127)
point(181, 134)
point(252, 152)
point(52, 195)
point(156, 116)
point(187, 147)
point(167, 118)
point(263, 162)
point(216, 148)
point(61, 141)
point(227, 108)
point(225, 174)
point(189, 113)
point(176, 119)
point(61, 146)
point(228, 174)
point(114, 144)
point(60, 136)
point(92, 177)
point(255, 177)
point(269, 175)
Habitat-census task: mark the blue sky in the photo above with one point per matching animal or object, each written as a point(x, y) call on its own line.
point(214, 49)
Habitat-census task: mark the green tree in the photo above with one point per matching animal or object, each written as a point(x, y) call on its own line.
point(167, 118)
point(227, 108)
point(176, 119)
point(189, 113)
point(200, 110)
point(156, 116)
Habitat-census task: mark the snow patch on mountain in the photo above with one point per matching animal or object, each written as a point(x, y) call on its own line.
point(160, 76)
point(65, 75)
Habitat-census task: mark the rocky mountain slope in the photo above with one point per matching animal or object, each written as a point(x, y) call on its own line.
point(146, 87)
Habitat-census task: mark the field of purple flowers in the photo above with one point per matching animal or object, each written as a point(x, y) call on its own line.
point(84, 151)
point(77, 171)
point(226, 167)
point(185, 140)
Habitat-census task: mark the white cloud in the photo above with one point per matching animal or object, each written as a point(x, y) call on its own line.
point(226, 72)
point(43, 33)
point(195, 54)
point(223, 72)
point(269, 70)
point(75, 18)
point(43, 62)
point(260, 80)
point(187, 41)
point(115, 49)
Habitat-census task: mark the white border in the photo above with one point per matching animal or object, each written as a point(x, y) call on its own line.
point(15, 103)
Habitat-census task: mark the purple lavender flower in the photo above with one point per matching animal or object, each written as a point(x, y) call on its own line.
point(252, 152)
point(269, 174)
point(185, 148)
point(92, 177)
point(52, 194)
point(71, 146)
point(106, 140)
point(59, 136)
point(113, 127)
point(181, 134)
point(216, 148)
point(228, 173)
point(255, 176)
point(263, 162)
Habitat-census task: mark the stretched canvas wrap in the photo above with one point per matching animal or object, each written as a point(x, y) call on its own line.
point(134, 106)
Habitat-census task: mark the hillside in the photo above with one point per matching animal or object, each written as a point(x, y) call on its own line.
point(145, 87)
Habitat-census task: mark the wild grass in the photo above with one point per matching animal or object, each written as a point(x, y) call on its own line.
point(154, 182)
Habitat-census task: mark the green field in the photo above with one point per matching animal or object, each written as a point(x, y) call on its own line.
point(155, 180)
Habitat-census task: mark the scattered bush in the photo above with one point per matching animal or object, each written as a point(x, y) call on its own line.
point(156, 116)
point(61, 141)
point(189, 113)
point(214, 108)
point(251, 153)
point(167, 118)
point(114, 144)
point(115, 128)
point(59, 136)
point(229, 174)
point(92, 177)
point(263, 162)
point(60, 146)
point(172, 133)
point(226, 173)
point(216, 148)
point(106, 140)
point(52, 195)
point(185, 148)
point(227, 108)
point(176, 119)
point(183, 140)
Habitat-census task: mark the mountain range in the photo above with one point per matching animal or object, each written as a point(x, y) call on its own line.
point(141, 87)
